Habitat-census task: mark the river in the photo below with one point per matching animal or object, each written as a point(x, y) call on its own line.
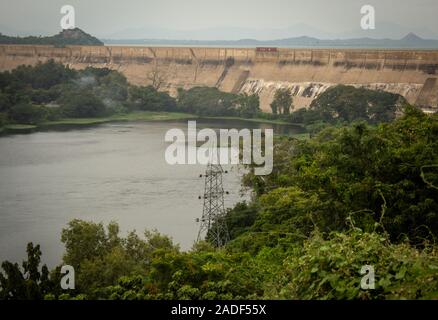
point(111, 172)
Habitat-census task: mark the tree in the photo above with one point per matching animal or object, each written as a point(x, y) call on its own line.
point(27, 114)
point(5, 102)
point(3, 119)
point(239, 219)
point(113, 86)
point(347, 103)
point(157, 77)
point(28, 283)
point(83, 241)
point(274, 107)
point(82, 104)
point(282, 102)
point(248, 105)
point(206, 101)
point(148, 98)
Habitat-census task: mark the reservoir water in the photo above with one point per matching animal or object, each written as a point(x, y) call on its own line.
point(112, 172)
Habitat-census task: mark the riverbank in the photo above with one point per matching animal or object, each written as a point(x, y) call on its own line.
point(74, 122)
point(258, 120)
point(132, 116)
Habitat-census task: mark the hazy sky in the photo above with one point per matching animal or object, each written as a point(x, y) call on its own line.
point(222, 19)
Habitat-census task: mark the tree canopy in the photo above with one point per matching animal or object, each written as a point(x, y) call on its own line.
point(282, 103)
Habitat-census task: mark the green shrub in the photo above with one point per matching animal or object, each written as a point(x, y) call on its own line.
point(3, 119)
point(82, 104)
point(330, 269)
point(347, 103)
point(26, 113)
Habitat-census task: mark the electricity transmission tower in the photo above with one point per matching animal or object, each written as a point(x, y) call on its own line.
point(213, 221)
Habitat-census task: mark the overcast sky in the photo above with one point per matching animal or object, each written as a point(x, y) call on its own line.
point(222, 19)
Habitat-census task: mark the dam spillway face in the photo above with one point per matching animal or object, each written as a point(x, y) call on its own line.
point(307, 72)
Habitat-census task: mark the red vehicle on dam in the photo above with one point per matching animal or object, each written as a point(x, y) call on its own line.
point(267, 49)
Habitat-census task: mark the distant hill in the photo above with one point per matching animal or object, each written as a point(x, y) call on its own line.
point(409, 41)
point(65, 37)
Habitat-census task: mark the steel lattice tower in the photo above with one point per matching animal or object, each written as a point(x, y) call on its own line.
point(213, 213)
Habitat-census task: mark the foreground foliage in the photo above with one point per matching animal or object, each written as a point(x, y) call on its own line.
point(357, 175)
point(153, 268)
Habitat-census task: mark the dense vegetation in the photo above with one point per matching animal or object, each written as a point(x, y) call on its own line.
point(343, 104)
point(27, 92)
point(351, 196)
point(361, 174)
point(205, 101)
point(65, 37)
point(282, 103)
point(51, 91)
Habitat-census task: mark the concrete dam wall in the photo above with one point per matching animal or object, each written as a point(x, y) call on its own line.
point(308, 72)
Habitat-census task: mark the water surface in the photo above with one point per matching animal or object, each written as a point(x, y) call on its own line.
point(111, 172)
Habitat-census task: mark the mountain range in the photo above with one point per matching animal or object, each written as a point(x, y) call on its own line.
point(411, 40)
point(79, 37)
